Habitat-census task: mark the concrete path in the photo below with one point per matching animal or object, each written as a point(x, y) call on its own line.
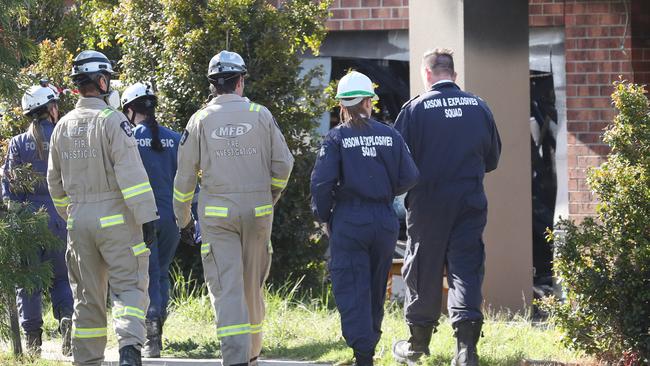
point(52, 351)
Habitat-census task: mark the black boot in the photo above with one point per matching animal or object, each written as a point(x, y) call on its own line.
point(467, 334)
point(409, 352)
point(34, 342)
point(153, 343)
point(361, 359)
point(130, 356)
point(65, 328)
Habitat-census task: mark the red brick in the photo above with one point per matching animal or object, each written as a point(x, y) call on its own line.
point(587, 90)
point(373, 24)
point(577, 126)
point(588, 103)
point(340, 14)
point(370, 3)
point(333, 25)
point(558, 20)
point(575, 32)
point(391, 2)
point(597, 126)
point(609, 43)
point(589, 138)
point(606, 90)
point(573, 79)
point(590, 161)
point(597, 31)
point(617, 31)
point(396, 24)
point(350, 3)
point(401, 13)
point(610, 19)
point(553, 8)
point(585, 43)
point(534, 9)
point(597, 7)
point(585, 67)
point(351, 25)
point(405, 2)
point(618, 55)
point(540, 21)
point(360, 13)
point(581, 116)
point(573, 184)
point(381, 13)
point(577, 173)
point(581, 197)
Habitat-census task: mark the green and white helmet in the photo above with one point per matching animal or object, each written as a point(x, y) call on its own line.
point(353, 88)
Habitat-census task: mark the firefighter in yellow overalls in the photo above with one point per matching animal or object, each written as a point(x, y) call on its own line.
point(99, 185)
point(245, 164)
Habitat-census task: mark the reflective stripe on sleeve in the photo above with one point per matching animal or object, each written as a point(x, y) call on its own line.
point(183, 197)
point(255, 107)
point(233, 330)
point(108, 221)
point(69, 223)
point(216, 211)
point(279, 183)
point(136, 190)
point(139, 249)
point(89, 333)
point(263, 210)
point(129, 311)
point(205, 248)
point(256, 328)
point(61, 202)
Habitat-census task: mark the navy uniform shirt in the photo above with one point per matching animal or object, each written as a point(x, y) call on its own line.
point(452, 134)
point(22, 150)
point(371, 163)
point(160, 165)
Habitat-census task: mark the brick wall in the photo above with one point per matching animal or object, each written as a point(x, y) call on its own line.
point(598, 48)
point(352, 15)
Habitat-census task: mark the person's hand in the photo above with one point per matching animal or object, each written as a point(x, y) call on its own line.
point(149, 232)
point(187, 234)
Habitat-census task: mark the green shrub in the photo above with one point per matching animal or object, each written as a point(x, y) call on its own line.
point(604, 263)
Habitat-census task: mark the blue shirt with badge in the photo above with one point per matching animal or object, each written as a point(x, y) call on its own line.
point(22, 150)
point(451, 133)
point(160, 165)
point(371, 164)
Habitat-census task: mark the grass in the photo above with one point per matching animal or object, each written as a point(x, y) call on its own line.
point(300, 328)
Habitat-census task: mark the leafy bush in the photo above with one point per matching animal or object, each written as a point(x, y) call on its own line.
point(604, 263)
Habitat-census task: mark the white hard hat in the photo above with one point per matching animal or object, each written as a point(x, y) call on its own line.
point(353, 87)
point(226, 62)
point(38, 96)
point(90, 62)
point(135, 91)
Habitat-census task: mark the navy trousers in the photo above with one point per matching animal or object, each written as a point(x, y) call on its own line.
point(162, 254)
point(30, 306)
point(362, 243)
point(445, 226)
